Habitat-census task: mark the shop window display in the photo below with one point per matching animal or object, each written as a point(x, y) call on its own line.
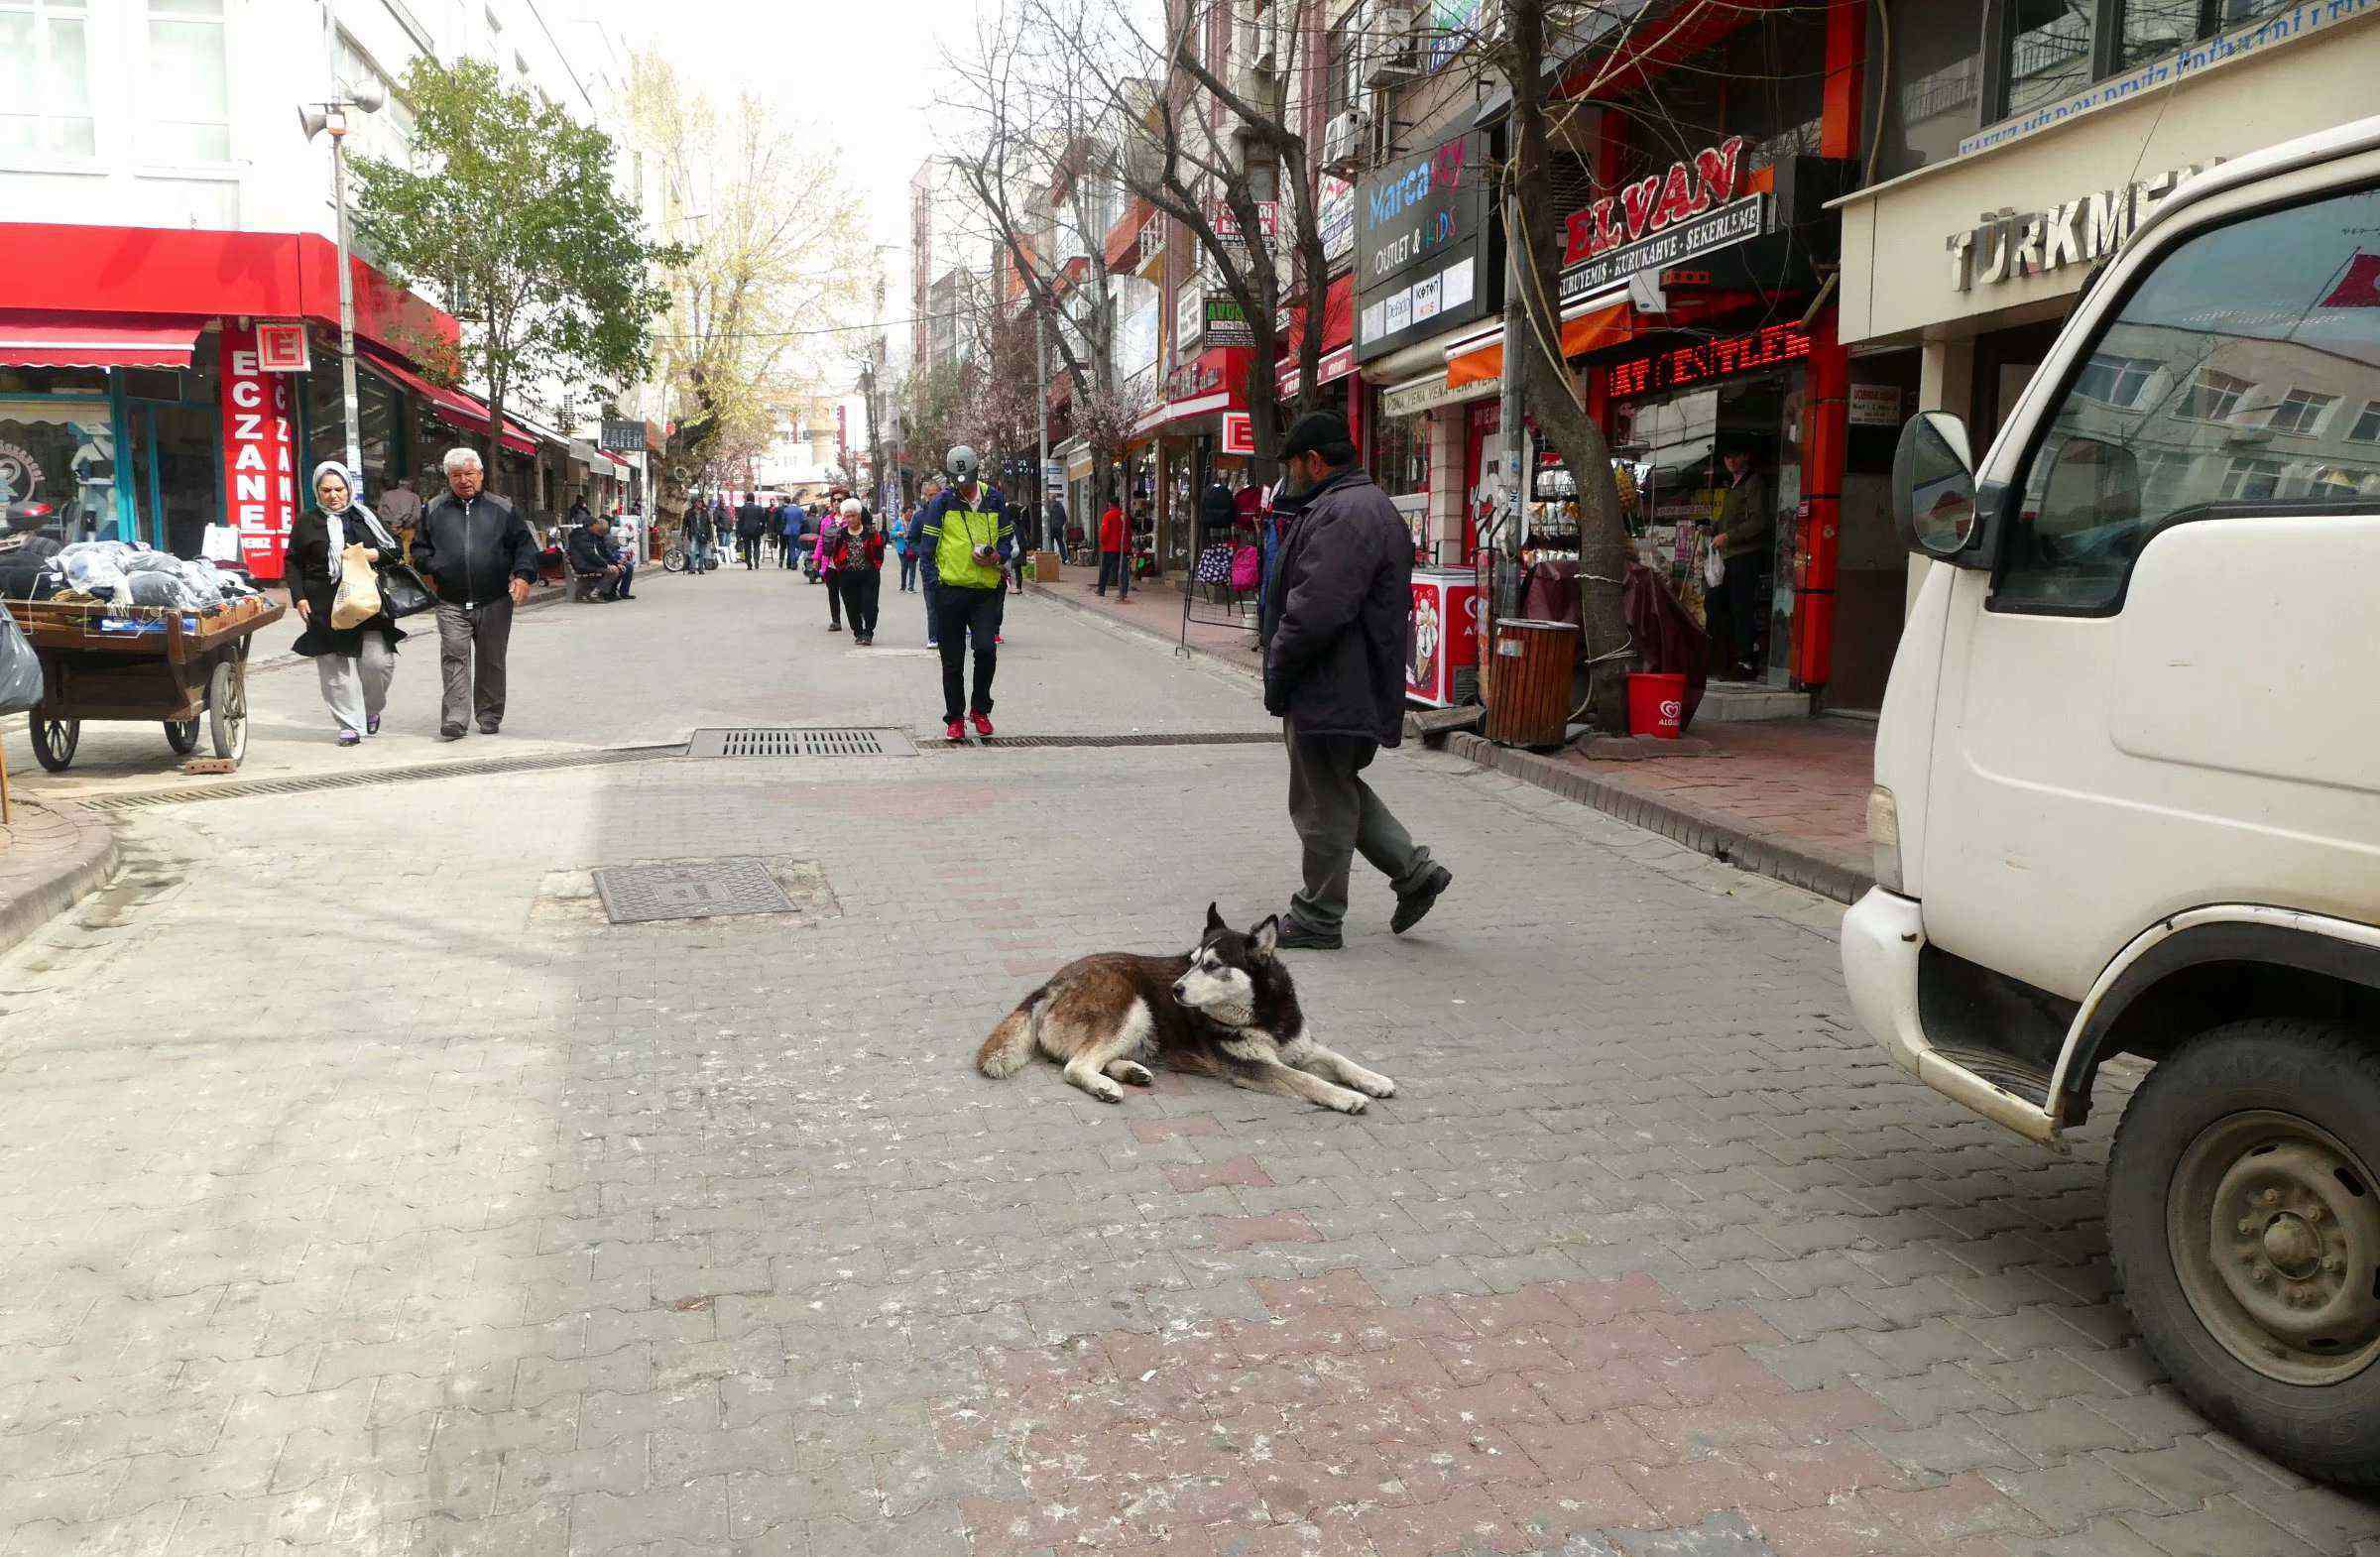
point(57, 467)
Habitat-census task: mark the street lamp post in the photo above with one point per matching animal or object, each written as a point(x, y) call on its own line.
point(332, 115)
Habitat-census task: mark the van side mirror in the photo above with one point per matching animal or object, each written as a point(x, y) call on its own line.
point(1934, 485)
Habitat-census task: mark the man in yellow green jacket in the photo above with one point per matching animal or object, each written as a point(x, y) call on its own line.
point(964, 544)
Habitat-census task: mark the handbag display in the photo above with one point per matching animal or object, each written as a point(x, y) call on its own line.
point(401, 592)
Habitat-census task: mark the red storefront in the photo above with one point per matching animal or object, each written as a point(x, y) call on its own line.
point(136, 399)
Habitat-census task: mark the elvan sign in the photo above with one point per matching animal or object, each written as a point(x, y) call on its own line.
point(1661, 220)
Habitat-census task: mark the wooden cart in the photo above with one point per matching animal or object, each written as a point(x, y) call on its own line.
point(177, 666)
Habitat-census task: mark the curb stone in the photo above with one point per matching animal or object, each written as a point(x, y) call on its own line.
point(1707, 832)
point(55, 857)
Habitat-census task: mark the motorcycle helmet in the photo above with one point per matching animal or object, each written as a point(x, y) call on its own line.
point(961, 464)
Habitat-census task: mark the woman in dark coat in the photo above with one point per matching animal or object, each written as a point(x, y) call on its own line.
point(355, 663)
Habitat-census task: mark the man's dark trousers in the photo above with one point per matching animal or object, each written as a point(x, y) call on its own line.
point(1337, 816)
point(960, 615)
point(1108, 569)
point(473, 643)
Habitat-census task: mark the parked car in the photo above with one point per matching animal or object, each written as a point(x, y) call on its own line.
point(2127, 789)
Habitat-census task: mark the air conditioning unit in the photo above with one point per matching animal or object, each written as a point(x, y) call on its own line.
point(1345, 140)
point(1391, 59)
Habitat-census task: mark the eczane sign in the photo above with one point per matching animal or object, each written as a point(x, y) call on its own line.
point(260, 472)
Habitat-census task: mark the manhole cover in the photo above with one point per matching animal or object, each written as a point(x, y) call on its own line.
point(689, 890)
point(777, 741)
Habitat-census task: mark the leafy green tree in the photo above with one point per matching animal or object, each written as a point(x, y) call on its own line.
point(505, 205)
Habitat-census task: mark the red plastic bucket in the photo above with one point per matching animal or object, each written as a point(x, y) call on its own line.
point(1656, 702)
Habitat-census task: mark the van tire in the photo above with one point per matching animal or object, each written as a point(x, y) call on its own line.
point(2324, 1073)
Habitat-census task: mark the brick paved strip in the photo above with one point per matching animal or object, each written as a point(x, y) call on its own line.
point(1722, 838)
point(1148, 1132)
point(1283, 1227)
point(50, 859)
point(1241, 1172)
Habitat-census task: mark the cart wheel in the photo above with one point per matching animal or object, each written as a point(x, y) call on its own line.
point(182, 736)
point(227, 710)
point(54, 740)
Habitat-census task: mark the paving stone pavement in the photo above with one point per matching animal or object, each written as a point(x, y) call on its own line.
point(366, 1193)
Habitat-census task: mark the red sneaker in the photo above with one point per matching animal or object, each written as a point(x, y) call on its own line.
point(954, 731)
point(982, 723)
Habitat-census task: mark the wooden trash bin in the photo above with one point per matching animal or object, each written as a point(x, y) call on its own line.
point(1529, 704)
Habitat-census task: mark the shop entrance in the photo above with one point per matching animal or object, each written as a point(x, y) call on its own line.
point(1677, 445)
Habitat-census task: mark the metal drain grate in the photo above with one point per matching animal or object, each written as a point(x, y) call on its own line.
point(249, 789)
point(1047, 742)
point(773, 740)
point(689, 890)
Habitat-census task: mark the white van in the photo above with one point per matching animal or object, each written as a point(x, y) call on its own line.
point(2128, 781)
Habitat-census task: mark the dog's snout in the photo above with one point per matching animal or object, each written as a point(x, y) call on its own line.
point(1181, 986)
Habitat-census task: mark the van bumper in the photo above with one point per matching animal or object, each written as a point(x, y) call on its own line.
point(1882, 935)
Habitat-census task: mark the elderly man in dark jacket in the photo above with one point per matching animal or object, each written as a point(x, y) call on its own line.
point(1334, 628)
point(476, 548)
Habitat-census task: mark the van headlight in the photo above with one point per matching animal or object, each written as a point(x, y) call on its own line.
point(1885, 837)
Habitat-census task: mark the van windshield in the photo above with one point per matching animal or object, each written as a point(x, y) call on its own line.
point(2242, 376)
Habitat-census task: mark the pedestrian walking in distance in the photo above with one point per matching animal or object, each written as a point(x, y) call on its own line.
point(476, 549)
point(915, 557)
point(788, 533)
point(355, 663)
point(858, 558)
point(822, 555)
point(751, 521)
point(1335, 676)
point(1110, 545)
point(967, 543)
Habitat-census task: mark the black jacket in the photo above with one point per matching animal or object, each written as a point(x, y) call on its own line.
point(698, 525)
point(1335, 624)
point(311, 573)
point(589, 553)
point(473, 552)
point(751, 521)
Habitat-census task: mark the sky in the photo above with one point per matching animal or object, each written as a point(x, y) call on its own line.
point(861, 70)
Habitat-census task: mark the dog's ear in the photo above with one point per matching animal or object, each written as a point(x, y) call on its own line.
point(1265, 938)
point(1214, 918)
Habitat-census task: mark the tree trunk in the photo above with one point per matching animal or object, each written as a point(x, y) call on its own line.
point(1605, 547)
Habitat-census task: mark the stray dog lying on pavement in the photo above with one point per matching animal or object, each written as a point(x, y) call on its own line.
point(1226, 1008)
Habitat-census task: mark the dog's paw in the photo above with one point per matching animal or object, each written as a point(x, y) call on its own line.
point(1349, 1103)
point(1132, 1073)
point(1374, 1083)
point(1103, 1089)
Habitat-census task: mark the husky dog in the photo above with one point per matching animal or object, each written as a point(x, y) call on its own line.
point(1226, 1008)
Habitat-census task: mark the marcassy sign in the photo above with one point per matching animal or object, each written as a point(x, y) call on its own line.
point(259, 468)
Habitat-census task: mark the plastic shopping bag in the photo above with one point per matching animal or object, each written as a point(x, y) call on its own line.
point(358, 599)
point(20, 670)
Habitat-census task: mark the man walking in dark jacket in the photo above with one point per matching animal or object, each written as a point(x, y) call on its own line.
point(751, 521)
point(1334, 674)
point(478, 552)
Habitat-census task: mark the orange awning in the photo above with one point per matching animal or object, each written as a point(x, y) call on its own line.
point(1592, 330)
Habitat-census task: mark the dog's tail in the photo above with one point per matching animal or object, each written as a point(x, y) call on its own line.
point(1011, 1045)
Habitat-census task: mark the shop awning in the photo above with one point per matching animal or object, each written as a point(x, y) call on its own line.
point(44, 339)
point(1216, 381)
point(1609, 325)
point(452, 406)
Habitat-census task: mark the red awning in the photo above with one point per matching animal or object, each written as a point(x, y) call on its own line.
point(1338, 336)
point(44, 339)
point(454, 406)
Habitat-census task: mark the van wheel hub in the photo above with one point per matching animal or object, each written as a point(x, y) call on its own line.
point(2276, 1230)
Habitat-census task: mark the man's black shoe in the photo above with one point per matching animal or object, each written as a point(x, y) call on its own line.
point(1298, 938)
point(1412, 905)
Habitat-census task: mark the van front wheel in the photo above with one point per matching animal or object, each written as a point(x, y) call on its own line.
point(2243, 1212)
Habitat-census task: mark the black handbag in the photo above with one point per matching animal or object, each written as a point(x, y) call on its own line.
point(402, 592)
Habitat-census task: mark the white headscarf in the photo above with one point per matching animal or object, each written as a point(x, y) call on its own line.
point(382, 541)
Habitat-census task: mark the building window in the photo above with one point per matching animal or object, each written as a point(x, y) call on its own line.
point(46, 78)
point(190, 87)
point(2049, 51)
point(2368, 426)
point(2117, 381)
point(2251, 480)
point(2214, 396)
point(1339, 69)
point(1400, 454)
point(2300, 412)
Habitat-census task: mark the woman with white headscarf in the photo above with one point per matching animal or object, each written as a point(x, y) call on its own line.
point(355, 663)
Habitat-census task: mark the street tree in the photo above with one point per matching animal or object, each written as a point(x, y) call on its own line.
point(1036, 148)
point(1214, 97)
point(777, 257)
point(505, 206)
